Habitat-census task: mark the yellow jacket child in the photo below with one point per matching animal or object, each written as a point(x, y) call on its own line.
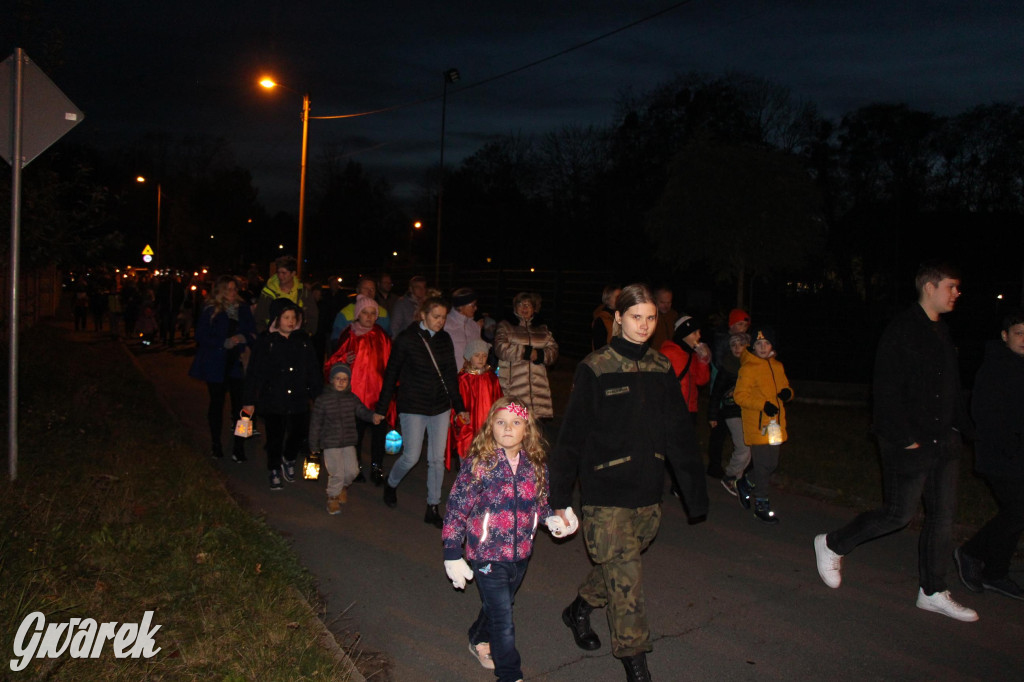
point(762, 390)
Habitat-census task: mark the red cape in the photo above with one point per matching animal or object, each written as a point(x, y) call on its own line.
point(370, 356)
point(478, 391)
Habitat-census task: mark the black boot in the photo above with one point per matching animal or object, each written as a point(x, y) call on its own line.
point(577, 616)
point(390, 496)
point(376, 475)
point(636, 668)
point(433, 516)
point(359, 477)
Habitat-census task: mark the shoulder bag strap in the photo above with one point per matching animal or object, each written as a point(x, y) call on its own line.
point(685, 369)
point(439, 375)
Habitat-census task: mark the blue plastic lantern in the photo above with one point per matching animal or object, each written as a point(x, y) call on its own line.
point(393, 442)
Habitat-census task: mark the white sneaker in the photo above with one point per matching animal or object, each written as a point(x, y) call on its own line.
point(829, 563)
point(941, 602)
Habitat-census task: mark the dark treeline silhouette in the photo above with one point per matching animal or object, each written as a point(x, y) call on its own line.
point(733, 190)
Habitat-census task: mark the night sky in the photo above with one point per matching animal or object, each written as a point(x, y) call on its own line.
point(188, 68)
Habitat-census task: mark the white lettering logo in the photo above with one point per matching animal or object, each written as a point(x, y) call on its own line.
point(81, 638)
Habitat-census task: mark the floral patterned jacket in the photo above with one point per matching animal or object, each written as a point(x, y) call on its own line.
point(495, 512)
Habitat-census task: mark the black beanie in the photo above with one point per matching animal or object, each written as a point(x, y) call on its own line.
point(685, 326)
point(762, 332)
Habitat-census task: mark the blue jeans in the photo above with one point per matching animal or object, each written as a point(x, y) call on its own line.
point(413, 428)
point(497, 582)
point(931, 473)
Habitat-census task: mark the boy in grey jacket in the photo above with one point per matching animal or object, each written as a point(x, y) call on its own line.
point(332, 428)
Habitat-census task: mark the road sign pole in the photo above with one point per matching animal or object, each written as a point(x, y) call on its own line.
point(14, 272)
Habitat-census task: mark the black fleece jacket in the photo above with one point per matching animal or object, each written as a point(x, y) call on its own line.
point(625, 417)
point(420, 389)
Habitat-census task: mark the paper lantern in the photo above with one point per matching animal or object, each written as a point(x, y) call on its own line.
point(393, 442)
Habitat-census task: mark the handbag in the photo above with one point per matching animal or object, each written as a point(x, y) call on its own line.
point(243, 427)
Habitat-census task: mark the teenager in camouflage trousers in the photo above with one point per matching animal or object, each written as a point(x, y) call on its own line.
point(625, 417)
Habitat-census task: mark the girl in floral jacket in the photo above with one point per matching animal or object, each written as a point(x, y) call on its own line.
point(499, 497)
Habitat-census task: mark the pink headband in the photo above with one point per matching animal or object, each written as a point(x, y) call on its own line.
point(519, 411)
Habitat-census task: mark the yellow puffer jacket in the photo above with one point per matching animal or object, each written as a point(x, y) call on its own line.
point(760, 381)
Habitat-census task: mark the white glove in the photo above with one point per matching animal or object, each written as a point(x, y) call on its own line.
point(558, 527)
point(458, 572)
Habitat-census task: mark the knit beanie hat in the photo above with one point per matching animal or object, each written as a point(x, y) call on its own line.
point(363, 302)
point(738, 315)
point(340, 367)
point(763, 332)
point(739, 339)
point(685, 326)
point(475, 346)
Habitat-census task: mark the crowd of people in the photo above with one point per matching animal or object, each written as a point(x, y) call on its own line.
point(421, 363)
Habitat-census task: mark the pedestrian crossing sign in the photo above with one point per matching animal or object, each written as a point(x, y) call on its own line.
point(148, 251)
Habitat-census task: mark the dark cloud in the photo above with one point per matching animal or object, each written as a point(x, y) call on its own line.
point(189, 67)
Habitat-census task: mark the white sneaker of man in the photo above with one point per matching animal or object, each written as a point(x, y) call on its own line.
point(941, 602)
point(829, 563)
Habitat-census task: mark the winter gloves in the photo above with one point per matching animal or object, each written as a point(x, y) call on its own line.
point(770, 408)
point(558, 528)
point(458, 572)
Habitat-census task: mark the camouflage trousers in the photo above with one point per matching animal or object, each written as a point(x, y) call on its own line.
point(615, 537)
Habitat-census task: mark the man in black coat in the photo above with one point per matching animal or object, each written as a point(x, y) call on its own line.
point(919, 420)
point(984, 560)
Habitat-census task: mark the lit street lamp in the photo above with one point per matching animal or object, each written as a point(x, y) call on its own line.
point(270, 84)
point(450, 76)
point(159, 196)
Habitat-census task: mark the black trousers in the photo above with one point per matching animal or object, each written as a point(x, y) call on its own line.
point(997, 540)
point(378, 434)
point(286, 437)
point(215, 413)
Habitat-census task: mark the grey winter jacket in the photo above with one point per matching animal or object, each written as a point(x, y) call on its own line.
point(333, 422)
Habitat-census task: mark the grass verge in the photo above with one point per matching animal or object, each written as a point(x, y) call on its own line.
point(109, 519)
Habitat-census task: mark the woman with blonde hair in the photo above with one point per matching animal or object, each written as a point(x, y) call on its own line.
point(496, 504)
point(226, 328)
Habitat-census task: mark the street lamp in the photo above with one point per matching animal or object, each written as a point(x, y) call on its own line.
point(159, 195)
point(270, 84)
point(450, 76)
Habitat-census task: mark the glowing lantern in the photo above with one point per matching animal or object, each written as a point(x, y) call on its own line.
point(311, 466)
point(393, 442)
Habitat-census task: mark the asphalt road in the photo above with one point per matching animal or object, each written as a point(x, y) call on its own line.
point(728, 599)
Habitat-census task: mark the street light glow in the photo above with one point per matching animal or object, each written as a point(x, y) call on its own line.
point(140, 179)
point(270, 83)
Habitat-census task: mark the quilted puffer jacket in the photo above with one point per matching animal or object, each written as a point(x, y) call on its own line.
point(519, 376)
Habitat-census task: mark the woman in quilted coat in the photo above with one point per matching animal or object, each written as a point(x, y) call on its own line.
point(525, 350)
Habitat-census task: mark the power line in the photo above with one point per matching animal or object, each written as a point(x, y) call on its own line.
point(510, 72)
